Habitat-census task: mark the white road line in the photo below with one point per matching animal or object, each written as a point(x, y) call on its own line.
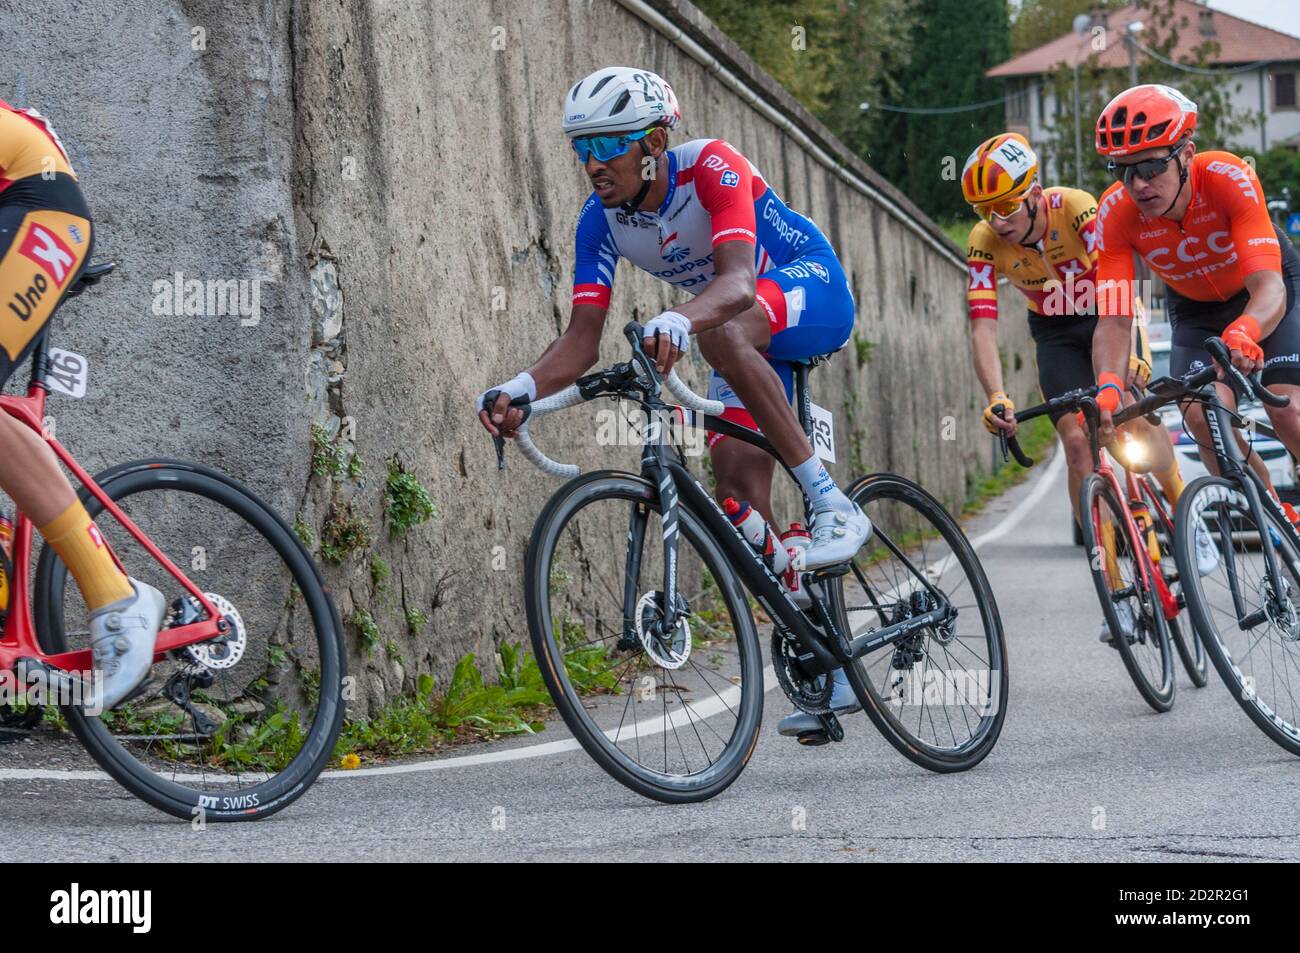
point(649, 726)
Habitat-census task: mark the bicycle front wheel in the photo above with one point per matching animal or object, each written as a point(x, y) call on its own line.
point(940, 695)
point(1129, 605)
point(675, 715)
point(1249, 624)
point(232, 731)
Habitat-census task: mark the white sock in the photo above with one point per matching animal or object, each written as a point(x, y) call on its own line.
point(820, 488)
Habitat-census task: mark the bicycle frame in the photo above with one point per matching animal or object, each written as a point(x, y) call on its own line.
point(19, 642)
point(818, 653)
point(1154, 581)
point(1233, 466)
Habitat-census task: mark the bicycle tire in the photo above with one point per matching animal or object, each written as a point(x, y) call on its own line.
point(1192, 506)
point(567, 502)
point(1095, 492)
point(285, 786)
point(933, 757)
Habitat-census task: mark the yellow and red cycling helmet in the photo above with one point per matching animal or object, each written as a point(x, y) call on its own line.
point(999, 174)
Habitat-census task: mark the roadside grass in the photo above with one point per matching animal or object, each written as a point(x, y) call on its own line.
point(1037, 438)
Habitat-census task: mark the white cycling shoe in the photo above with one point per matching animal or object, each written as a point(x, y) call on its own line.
point(836, 537)
point(843, 702)
point(122, 637)
point(1127, 622)
point(1207, 553)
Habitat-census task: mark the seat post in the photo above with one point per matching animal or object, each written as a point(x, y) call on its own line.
point(803, 401)
point(40, 363)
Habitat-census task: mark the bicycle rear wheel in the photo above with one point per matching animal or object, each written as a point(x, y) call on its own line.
point(1259, 662)
point(940, 695)
point(230, 732)
point(1132, 610)
point(674, 717)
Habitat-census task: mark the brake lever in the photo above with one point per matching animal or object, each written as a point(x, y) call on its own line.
point(498, 441)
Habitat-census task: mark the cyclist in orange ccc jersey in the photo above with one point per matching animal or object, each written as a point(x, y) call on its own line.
point(46, 235)
point(1202, 224)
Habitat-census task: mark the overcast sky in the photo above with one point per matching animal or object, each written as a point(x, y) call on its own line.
point(1281, 15)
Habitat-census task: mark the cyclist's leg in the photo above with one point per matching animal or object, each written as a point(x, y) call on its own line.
point(42, 250)
point(741, 470)
point(1063, 350)
point(801, 309)
point(1162, 462)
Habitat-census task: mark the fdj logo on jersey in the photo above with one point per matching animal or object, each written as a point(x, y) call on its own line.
point(730, 179)
point(669, 251)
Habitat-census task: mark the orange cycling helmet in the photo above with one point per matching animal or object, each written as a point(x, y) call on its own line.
point(999, 174)
point(1145, 117)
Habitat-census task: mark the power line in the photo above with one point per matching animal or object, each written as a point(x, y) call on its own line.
point(935, 110)
point(1198, 70)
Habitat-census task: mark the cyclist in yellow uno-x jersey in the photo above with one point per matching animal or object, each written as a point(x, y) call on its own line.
point(46, 236)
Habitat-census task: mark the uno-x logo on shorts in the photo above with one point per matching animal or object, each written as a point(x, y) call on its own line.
point(49, 253)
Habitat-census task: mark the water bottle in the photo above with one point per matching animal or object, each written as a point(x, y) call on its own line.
point(1146, 526)
point(755, 529)
point(796, 541)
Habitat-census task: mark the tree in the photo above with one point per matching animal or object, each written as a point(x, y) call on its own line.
point(1041, 21)
point(953, 43)
point(830, 55)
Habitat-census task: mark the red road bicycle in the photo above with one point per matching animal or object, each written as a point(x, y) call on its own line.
point(244, 701)
point(1127, 532)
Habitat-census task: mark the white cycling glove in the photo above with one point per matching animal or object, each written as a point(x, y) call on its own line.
point(520, 385)
point(675, 327)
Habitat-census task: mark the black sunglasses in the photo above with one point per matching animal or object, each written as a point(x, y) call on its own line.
point(1147, 169)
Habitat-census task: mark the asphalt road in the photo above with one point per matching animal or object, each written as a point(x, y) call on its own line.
point(1084, 771)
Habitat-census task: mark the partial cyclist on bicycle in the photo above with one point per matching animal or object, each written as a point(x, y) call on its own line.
point(1043, 240)
point(767, 289)
point(46, 236)
point(1201, 222)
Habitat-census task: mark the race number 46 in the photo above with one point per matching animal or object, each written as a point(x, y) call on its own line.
point(67, 373)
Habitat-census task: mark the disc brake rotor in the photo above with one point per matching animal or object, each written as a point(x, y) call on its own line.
point(223, 652)
point(669, 650)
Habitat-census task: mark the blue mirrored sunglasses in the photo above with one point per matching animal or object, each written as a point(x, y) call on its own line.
point(605, 148)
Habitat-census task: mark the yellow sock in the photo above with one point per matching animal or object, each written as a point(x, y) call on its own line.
point(1171, 481)
point(76, 538)
point(1108, 551)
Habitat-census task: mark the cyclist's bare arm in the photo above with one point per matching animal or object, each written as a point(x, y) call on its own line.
point(985, 358)
point(731, 292)
point(570, 356)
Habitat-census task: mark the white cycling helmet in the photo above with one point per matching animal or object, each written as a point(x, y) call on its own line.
point(619, 99)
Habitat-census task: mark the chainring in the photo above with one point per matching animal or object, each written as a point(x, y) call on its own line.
point(810, 696)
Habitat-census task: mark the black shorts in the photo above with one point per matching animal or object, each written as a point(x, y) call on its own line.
point(1064, 354)
point(46, 238)
point(1194, 321)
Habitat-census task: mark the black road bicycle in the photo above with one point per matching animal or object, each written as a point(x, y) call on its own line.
point(636, 597)
point(1245, 609)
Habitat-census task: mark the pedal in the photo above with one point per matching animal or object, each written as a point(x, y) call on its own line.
point(814, 739)
point(830, 572)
